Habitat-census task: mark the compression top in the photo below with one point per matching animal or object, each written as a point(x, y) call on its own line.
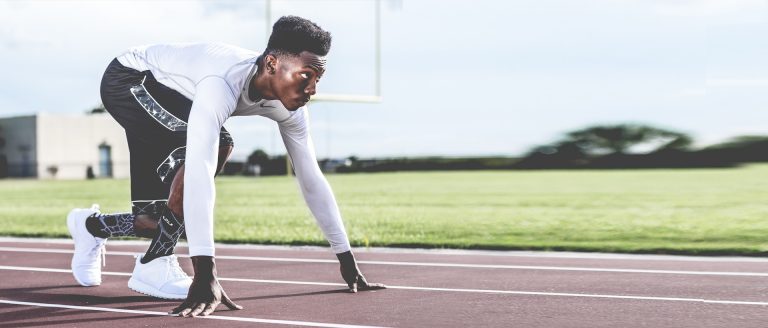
point(216, 78)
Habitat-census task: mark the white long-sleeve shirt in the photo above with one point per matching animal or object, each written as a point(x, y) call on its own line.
point(216, 77)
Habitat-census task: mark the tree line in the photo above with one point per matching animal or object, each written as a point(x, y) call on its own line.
point(641, 146)
point(596, 147)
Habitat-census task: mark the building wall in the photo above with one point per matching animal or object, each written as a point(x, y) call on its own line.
point(20, 145)
point(68, 144)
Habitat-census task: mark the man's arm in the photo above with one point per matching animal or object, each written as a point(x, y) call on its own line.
point(205, 120)
point(314, 187)
point(319, 197)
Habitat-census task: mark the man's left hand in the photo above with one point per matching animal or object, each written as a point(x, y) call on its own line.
point(352, 275)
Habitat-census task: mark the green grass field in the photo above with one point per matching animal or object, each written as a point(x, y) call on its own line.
point(703, 211)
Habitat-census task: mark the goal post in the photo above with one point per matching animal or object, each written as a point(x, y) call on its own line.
point(373, 98)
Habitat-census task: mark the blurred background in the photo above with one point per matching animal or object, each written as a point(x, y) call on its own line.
point(459, 79)
point(593, 125)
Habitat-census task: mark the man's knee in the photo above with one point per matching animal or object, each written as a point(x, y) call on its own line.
point(224, 152)
point(176, 196)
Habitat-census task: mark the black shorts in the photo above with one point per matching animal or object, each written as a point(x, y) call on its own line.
point(155, 121)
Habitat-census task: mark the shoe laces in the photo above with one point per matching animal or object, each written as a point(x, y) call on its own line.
point(102, 249)
point(103, 255)
point(176, 270)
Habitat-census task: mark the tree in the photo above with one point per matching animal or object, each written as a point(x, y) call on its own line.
point(620, 139)
point(3, 158)
point(612, 146)
point(742, 142)
point(97, 110)
point(257, 163)
point(741, 149)
point(258, 157)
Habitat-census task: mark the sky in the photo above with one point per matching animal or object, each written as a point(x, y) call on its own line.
point(459, 78)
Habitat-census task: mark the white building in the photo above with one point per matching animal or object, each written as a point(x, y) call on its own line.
point(63, 146)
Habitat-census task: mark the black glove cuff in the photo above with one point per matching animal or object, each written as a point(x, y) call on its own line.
point(346, 259)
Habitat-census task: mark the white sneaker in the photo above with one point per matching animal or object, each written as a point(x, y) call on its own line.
point(90, 251)
point(161, 277)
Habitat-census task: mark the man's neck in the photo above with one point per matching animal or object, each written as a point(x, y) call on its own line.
point(258, 88)
point(253, 92)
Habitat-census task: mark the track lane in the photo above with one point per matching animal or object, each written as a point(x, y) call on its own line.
point(401, 307)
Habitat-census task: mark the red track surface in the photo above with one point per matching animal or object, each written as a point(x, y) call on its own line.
point(470, 289)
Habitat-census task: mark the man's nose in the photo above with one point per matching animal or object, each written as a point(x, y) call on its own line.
point(311, 88)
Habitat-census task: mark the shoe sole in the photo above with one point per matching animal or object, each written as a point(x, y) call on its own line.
point(142, 288)
point(71, 227)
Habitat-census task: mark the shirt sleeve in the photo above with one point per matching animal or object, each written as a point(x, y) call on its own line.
point(212, 104)
point(314, 187)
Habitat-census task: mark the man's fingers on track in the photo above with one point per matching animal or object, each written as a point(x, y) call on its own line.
point(353, 284)
point(228, 302)
point(209, 309)
point(186, 312)
point(178, 309)
point(198, 309)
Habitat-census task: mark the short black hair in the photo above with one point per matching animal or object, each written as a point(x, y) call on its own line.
point(293, 34)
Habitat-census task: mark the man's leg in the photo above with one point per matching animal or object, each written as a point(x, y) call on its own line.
point(169, 230)
point(171, 224)
point(110, 225)
point(162, 221)
point(169, 227)
point(156, 273)
point(88, 257)
point(88, 228)
point(154, 117)
point(146, 221)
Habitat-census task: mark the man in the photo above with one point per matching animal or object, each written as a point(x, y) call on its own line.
point(172, 101)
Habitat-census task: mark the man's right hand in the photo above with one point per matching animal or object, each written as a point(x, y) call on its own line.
point(205, 293)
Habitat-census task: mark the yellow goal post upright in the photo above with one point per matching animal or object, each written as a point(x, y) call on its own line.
point(343, 97)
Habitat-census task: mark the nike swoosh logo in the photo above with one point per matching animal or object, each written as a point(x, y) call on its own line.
point(167, 221)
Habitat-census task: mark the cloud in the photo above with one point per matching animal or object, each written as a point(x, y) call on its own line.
point(107, 24)
point(728, 132)
point(693, 92)
point(737, 82)
point(508, 74)
point(715, 11)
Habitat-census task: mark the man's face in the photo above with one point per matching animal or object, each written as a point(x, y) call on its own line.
point(296, 77)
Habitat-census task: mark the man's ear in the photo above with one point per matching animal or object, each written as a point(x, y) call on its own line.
point(270, 64)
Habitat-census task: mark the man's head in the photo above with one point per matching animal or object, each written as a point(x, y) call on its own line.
point(294, 61)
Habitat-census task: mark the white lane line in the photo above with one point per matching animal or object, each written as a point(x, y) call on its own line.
point(459, 290)
point(629, 297)
point(425, 264)
point(163, 314)
point(432, 251)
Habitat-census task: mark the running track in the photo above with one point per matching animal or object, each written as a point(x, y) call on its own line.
point(301, 287)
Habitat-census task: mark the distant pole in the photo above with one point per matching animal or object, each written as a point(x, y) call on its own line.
point(328, 133)
point(268, 19)
point(268, 32)
point(378, 48)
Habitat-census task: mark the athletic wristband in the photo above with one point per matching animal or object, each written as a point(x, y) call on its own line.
point(346, 258)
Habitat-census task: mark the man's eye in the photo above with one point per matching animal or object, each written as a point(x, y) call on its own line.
point(305, 75)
